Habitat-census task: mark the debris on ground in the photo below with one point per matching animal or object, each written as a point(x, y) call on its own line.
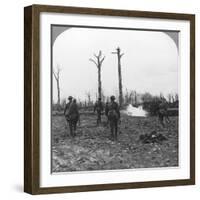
point(153, 137)
point(92, 148)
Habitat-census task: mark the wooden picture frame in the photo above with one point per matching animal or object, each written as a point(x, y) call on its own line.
point(32, 98)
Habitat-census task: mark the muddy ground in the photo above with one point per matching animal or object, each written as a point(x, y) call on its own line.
point(93, 149)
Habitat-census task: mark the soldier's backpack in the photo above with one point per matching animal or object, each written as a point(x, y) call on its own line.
point(72, 114)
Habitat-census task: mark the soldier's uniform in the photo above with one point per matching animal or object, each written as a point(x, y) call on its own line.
point(113, 114)
point(98, 107)
point(72, 115)
point(106, 109)
point(106, 112)
point(66, 110)
point(163, 113)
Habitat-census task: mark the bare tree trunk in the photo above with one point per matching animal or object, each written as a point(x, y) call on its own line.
point(120, 82)
point(99, 82)
point(119, 55)
point(58, 89)
point(57, 78)
point(98, 63)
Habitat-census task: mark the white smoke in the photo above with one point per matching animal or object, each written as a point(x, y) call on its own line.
point(136, 112)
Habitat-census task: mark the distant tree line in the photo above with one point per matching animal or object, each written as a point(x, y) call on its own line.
point(149, 102)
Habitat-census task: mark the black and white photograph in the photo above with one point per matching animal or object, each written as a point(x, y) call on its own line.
point(109, 99)
point(114, 98)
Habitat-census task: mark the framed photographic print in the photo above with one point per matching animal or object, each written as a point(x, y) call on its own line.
point(109, 99)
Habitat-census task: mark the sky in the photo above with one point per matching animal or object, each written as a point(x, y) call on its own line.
point(149, 64)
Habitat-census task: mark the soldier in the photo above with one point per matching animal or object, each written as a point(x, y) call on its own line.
point(66, 110)
point(113, 114)
point(74, 117)
point(106, 112)
point(98, 107)
point(163, 112)
point(69, 112)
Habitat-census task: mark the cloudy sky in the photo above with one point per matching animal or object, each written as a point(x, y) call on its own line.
point(149, 64)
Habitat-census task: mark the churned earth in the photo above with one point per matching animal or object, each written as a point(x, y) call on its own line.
point(93, 149)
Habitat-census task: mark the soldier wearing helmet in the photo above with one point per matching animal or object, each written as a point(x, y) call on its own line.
point(66, 110)
point(163, 112)
point(73, 117)
point(113, 114)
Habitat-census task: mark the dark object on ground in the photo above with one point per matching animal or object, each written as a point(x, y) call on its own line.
point(172, 111)
point(153, 137)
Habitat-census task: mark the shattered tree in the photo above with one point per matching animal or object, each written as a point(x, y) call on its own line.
point(119, 56)
point(56, 74)
point(98, 62)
